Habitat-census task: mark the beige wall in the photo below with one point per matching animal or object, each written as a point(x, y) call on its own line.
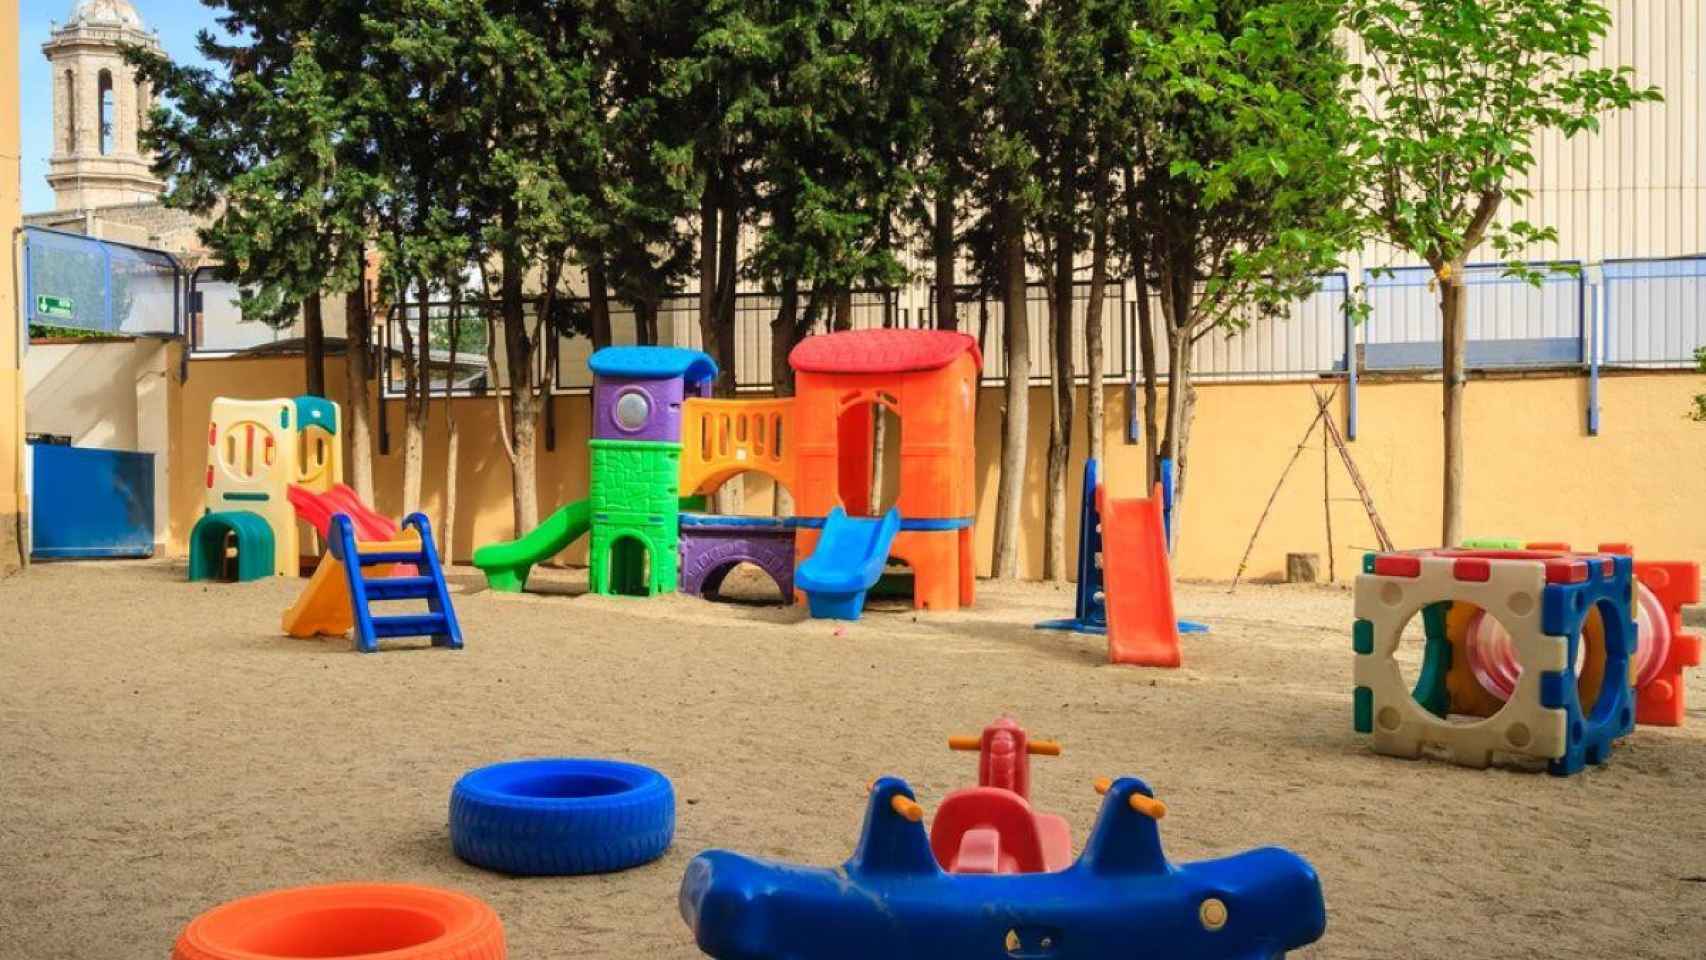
point(11, 383)
point(1533, 471)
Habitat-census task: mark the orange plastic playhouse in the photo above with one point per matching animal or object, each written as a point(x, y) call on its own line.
point(818, 444)
point(928, 379)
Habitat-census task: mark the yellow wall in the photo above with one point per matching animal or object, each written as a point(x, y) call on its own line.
point(1533, 471)
point(11, 382)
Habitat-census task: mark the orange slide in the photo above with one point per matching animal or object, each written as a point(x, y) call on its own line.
point(1138, 584)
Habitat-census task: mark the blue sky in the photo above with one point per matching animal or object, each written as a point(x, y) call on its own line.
point(177, 22)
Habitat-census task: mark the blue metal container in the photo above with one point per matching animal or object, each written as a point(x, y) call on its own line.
point(88, 503)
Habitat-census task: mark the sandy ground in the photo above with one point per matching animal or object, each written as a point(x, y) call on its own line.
point(163, 749)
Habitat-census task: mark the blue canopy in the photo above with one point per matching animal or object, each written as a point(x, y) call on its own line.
point(654, 363)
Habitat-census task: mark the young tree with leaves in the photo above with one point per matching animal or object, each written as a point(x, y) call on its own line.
point(1453, 96)
point(1081, 117)
point(1241, 181)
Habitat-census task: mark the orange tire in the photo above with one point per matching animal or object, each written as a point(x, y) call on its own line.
point(346, 920)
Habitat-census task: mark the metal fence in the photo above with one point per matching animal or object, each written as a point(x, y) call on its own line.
point(99, 286)
point(1307, 342)
point(1653, 312)
point(1511, 322)
point(987, 320)
point(456, 350)
point(1626, 313)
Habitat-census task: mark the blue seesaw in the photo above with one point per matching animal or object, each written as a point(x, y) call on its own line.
point(1122, 898)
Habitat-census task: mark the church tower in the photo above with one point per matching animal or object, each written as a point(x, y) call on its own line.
point(99, 108)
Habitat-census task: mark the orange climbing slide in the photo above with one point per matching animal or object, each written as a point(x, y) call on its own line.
point(1137, 582)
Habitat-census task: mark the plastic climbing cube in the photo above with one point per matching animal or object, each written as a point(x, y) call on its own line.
point(1557, 711)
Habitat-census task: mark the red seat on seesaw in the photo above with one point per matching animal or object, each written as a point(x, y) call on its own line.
point(991, 830)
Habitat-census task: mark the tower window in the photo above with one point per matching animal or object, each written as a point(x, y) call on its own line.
point(70, 112)
point(141, 106)
point(107, 112)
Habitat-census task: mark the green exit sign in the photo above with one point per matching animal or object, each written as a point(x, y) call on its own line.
point(55, 308)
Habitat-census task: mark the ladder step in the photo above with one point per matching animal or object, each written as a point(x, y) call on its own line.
point(409, 625)
point(411, 557)
point(400, 588)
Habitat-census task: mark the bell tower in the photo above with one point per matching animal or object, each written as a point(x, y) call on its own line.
point(99, 108)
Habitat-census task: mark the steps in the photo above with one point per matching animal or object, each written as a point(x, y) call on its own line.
point(438, 623)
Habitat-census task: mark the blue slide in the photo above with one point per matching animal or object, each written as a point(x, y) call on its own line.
point(847, 562)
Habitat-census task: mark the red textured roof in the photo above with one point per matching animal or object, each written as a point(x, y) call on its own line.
point(882, 351)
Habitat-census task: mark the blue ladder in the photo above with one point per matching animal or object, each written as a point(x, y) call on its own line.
point(1090, 614)
point(428, 584)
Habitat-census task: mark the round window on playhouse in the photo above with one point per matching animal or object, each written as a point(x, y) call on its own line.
point(633, 410)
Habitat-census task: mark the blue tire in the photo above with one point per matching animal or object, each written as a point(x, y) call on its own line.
point(558, 817)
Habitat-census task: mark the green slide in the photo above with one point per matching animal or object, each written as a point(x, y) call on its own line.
point(506, 564)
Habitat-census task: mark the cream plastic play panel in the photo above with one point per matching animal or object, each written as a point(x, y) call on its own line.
point(252, 454)
point(319, 451)
point(1402, 727)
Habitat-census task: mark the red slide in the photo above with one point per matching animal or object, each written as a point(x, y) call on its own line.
point(319, 508)
point(1137, 583)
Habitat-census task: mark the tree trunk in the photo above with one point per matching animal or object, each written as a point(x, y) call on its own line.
point(720, 341)
point(1015, 431)
point(314, 346)
point(728, 229)
point(1455, 335)
point(708, 270)
point(598, 295)
point(415, 406)
point(1181, 401)
point(523, 400)
point(947, 306)
point(356, 417)
point(1094, 347)
point(1145, 335)
point(447, 529)
point(1055, 562)
point(785, 332)
point(841, 312)
point(646, 322)
point(945, 60)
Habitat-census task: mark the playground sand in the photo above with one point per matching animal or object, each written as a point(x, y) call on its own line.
point(163, 749)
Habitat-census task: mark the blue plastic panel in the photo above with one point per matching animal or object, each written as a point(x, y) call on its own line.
point(91, 503)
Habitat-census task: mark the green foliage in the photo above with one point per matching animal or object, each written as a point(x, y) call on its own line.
point(1698, 414)
point(270, 144)
point(834, 126)
point(1451, 98)
point(1241, 163)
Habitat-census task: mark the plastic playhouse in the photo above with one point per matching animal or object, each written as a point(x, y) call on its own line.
point(257, 450)
point(659, 444)
point(893, 899)
point(273, 463)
